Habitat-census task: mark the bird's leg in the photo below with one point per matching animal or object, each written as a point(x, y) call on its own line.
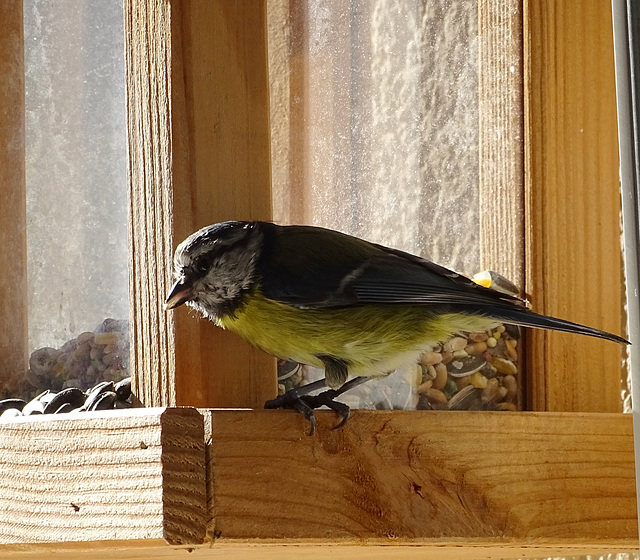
point(327, 398)
point(293, 398)
point(281, 400)
point(300, 400)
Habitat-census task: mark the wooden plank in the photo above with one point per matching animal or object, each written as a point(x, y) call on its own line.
point(198, 117)
point(282, 27)
point(221, 171)
point(490, 479)
point(136, 474)
point(13, 212)
point(388, 485)
point(445, 550)
point(501, 137)
point(574, 264)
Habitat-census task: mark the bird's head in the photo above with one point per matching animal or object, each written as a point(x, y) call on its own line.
point(215, 267)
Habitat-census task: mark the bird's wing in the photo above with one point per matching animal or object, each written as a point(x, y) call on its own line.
point(314, 268)
point(398, 277)
point(306, 266)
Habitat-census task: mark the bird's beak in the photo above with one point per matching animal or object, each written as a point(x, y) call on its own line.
point(179, 294)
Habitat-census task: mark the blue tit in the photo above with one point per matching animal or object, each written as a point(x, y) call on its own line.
point(320, 297)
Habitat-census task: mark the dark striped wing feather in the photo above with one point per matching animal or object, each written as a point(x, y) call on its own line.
point(314, 268)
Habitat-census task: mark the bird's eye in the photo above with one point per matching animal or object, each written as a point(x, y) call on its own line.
point(202, 265)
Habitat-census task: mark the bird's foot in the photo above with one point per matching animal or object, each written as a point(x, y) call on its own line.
point(291, 399)
point(300, 400)
point(327, 398)
point(305, 404)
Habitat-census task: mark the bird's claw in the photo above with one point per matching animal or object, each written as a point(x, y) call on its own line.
point(305, 404)
point(327, 398)
point(291, 399)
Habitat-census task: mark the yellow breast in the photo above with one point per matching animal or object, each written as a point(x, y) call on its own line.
point(372, 339)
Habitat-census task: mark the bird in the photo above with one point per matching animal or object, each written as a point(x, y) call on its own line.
point(321, 297)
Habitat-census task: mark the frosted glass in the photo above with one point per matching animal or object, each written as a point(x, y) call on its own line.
point(375, 132)
point(375, 122)
point(75, 167)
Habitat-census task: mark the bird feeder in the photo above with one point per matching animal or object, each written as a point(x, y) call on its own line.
point(202, 468)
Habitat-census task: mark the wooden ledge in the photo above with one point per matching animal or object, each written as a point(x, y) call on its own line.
point(513, 477)
point(388, 485)
point(126, 475)
point(446, 550)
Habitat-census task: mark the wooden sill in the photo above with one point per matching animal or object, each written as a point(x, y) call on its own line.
point(388, 485)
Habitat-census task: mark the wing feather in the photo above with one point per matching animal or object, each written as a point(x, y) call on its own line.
point(312, 267)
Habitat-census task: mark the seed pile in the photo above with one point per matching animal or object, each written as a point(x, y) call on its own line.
point(103, 396)
point(470, 371)
point(81, 363)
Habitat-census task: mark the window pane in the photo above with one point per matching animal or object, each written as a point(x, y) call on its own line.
point(376, 132)
point(375, 122)
point(76, 190)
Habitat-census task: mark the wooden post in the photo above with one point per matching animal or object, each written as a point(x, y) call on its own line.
point(501, 140)
point(198, 113)
point(128, 476)
point(574, 264)
point(13, 216)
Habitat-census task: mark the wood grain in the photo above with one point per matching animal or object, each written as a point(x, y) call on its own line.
point(444, 550)
point(501, 137)
point(221, 171)
point(574, 263)
point(389, 485)
point(13, 212)
point(151, 221)
point(484, 478)
point(129, 475)
point(198, 121)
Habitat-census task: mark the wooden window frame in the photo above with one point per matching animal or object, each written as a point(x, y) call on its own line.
point(251, 482)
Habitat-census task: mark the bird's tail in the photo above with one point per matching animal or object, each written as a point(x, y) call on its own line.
point(526, 318)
